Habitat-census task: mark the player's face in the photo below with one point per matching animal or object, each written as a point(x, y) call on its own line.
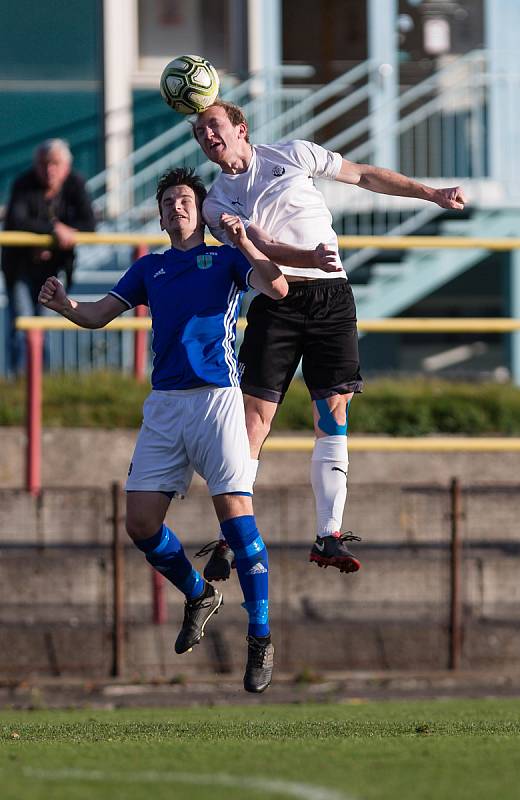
point(180, 211)
point(53, 168)
point(218, 137)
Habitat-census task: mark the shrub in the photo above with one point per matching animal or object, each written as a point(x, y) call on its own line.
point(393, 407)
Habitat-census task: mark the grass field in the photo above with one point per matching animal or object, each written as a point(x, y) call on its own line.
point(443, 750)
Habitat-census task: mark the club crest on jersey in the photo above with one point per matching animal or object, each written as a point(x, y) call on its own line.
point(278, 172)
point(204, 262)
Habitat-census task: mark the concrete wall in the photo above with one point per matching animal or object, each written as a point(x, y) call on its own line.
point(90, 457)
point(56, 571)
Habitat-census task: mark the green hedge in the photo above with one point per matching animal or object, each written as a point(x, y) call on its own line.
point(398, 408)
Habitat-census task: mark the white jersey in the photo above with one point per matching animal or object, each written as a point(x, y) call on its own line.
point(278, 194)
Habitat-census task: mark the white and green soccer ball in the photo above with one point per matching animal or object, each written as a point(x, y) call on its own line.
point(189, 84)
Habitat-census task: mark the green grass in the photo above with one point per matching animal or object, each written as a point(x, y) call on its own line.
point(444, 750)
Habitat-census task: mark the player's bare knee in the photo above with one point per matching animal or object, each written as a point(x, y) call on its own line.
point(228, 506)
point(138, 529)
point(142, 526)
point(331, 415)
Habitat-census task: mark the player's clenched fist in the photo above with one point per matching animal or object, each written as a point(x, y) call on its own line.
point(327, 259)
point(52, 294)
point(453, 198)
point(234, 228)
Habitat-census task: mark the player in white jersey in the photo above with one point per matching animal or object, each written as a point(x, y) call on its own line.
point(271, 188)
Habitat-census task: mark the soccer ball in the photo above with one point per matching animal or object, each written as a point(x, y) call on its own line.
point(189, 84)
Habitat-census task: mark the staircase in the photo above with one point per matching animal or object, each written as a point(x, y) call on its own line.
point(394, 285)
point(440, 130)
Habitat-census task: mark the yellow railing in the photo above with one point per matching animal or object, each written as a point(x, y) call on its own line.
point(24, 239)
point(390, 325)
point(35, 325)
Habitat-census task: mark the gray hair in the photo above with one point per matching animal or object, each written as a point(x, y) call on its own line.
point(53, 144)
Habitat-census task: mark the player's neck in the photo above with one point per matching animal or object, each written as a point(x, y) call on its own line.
point(182, 242)
point(239, 162)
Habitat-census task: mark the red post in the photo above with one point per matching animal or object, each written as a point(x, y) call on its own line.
point(34, 339)
point(140, 337)
point(158, 598)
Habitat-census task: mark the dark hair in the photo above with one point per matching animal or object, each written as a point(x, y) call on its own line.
point(181, 176)
point(234, 114)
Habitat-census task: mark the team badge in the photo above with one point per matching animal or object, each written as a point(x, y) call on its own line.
point(204, 262)
point(278, 172)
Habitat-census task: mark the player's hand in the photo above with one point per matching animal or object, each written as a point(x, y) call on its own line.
point(233, 227)
point(327, 259)
point(65, 235)
point(453, 198)
point(52, 294)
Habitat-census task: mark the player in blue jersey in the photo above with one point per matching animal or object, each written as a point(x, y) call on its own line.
point(194, 417)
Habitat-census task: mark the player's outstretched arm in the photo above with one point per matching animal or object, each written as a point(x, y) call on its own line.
point(266, 276)
point(322, 257)
point(386, 181)
point(89, 315)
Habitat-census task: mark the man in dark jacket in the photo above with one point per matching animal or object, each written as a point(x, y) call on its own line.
point(49, 198)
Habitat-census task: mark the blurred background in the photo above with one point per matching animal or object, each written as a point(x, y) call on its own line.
point(430, 88)
point(426, 87)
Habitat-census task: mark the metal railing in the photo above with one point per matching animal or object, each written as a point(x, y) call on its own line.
point(34, 326)
point(440, 129)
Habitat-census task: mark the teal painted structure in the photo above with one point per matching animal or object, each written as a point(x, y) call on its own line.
point(51, 70)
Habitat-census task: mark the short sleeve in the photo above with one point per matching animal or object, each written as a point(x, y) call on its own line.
point(316, 160)
point(131, 288)
point(211, 211)
point(241, 268)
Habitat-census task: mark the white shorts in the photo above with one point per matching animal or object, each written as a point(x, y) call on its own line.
point(183, 431)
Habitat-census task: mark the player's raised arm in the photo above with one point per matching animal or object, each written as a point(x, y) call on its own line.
point(89, 315)
point(266, 276)
point(386, 181)
point(322, 257)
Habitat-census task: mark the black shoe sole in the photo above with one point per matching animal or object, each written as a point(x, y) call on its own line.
point(257, 689)
point(221, 577)
point(192, 645)
point(345, 564)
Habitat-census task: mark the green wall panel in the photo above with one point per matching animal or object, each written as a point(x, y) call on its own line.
point(50, 40)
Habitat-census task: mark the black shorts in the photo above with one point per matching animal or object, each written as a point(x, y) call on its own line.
point(315, 322)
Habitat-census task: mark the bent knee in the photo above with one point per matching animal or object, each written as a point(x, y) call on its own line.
point(140, 528)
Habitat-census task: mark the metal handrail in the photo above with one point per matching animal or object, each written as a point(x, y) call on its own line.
point(385, 325)
point(497, 244)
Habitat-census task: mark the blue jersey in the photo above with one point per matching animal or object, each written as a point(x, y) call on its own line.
point(194, 298)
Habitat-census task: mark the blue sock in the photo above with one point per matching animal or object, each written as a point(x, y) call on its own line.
point(252, 564)
point(165, 553)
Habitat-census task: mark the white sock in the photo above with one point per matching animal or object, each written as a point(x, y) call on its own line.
point(329, 469)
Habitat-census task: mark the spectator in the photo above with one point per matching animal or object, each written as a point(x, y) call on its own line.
point(49, 198)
